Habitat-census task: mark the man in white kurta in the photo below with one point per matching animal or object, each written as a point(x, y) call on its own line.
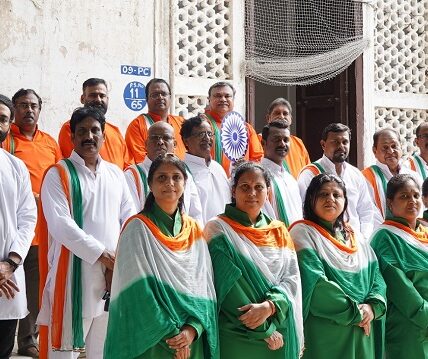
point(419, 161)
point(160, 140)
point(209, 176)
point(388, 152)
point(106, 204)
point(284, 202)
point(335, 143)
point(18, 216)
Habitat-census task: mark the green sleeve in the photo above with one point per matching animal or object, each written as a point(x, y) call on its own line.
point(195, 324)
point(377, 294)
point(403, 294)
point(281, 305)
point(330, 302)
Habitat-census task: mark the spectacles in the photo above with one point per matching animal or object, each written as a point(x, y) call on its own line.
point(159, 94)
point(157, 138)
point(24, 106)
point(202, 134)
point(424, 136)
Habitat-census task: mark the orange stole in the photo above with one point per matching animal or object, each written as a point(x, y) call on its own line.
point(421, 234)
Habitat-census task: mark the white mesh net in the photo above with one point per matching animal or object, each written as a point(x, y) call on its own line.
point(294, 42)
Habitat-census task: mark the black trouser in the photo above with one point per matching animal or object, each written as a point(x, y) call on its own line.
point(27, 330)
point(7, 337)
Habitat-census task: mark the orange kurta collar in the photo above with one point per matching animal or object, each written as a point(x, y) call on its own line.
point(14, 129)
point(214, 115)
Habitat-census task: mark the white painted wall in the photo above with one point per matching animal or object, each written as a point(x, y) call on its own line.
point(52, 46)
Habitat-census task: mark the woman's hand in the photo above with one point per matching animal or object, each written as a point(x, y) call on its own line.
point(275, 341)
point(183, 353)
point(183, 339)
point(256, 314)
point(368, 316)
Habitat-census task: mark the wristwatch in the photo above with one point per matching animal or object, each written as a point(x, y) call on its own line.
point(12, 263)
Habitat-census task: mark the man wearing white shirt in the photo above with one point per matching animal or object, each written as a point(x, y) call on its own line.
point(335, 143)
point(160, 140)
point(18, 216)
point(209, 176)
point(284, 198)
point(84, 222)
point(388, 153)
point(419, 162)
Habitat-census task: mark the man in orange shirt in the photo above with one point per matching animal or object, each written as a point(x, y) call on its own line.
point(158, 95)
point(38, 151)
point(221, 100)
point(114, 148)
point(298, 156)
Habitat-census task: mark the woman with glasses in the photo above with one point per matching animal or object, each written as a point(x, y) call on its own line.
point(401, 245)
point(256, 274)
point(163, 299)
point(343, 291)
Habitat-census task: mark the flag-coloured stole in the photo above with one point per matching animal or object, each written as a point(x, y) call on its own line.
point(378, 182)
point(140, 179)
point(218, 148)
point(417, 165)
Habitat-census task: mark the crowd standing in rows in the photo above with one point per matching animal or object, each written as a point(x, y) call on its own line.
point(156, 245)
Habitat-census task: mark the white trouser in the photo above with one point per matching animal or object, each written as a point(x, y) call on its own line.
point(94, 333)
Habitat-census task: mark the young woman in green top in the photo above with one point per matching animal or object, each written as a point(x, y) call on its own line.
point(401, 245)
point(343, 291)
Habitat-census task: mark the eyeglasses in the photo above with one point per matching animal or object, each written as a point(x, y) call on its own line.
point(424, 136)
point(24, 106)
point(202, 134)
point(157, 138)
point(155, 95)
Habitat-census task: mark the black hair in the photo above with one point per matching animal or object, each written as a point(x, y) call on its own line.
point(336, 128)
point(248, 166)
point(419, 128)
point(189, 124)
point(80, 113)
point(156, 81)
point(93, 81)
point(4, 100)
point(275, 123)
point(25, 92)
point(312, 194)
point(221, 84)
point(277, 102)
point(167, 158)
point(425, 188)
point(397, 182)
point(382, 131)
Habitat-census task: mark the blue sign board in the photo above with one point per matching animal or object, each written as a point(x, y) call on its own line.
point(134, 96)
point(135, 70)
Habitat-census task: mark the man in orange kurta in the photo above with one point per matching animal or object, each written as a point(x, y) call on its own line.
point(114, 148)
point(158, 95)
point(38, 151)
point(221, 100)
point(298, 156)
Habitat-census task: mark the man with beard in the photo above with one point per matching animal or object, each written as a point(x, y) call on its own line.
point(210, 178)
point(85, 201)
point(158, 95)
point(221, 101)
point(388, 153)
point(38, 151)
point(335, 143)
point(160, 140)
point(114, 148)
point(284, 199)
point(17, 221)
point(419, 162)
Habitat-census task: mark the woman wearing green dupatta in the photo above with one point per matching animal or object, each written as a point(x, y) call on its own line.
point(163, 298)
point(401, 245)
point(343, 291)
point(256, 275)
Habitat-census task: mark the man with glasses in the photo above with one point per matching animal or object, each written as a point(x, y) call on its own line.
point(388, 152)
point(17, 222)
point(158, 95)
point(209, 176)
point(160, 139)
point(221, 97)
point(419, 162)
point(114, 149)
point(38, 151)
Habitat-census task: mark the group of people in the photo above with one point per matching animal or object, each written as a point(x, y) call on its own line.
point(155, 245)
